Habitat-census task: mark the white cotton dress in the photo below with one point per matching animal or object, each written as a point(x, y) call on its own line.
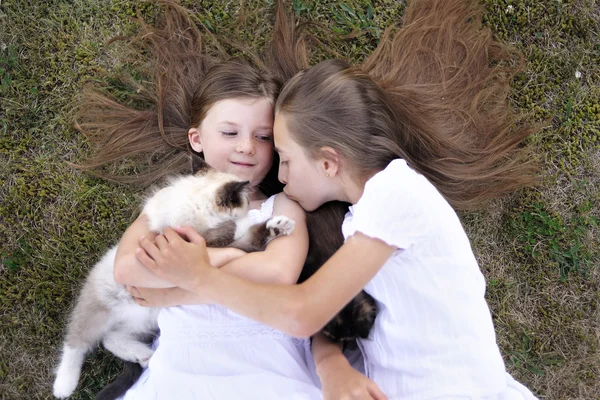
point(433, 337)
point(208, 352)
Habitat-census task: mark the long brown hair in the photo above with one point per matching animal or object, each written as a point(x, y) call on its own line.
point(434, 93)
point(189, 74)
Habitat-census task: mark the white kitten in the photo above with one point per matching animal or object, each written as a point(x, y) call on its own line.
point(216, 205)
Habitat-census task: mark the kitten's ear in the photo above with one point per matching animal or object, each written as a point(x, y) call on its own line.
point(231, 194)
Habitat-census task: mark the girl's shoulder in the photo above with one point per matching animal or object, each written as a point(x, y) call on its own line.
point(398, 206)
point(398, 176)
point(278, 204)
point(284, 205)
point(400, 185)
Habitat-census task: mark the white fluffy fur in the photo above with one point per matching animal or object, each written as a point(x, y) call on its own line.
point(105, 312)
point(200, 213)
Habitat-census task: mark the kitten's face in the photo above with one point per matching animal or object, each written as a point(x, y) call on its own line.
point(228, 194)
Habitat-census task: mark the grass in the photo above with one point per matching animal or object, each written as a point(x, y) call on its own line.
point(538, 249)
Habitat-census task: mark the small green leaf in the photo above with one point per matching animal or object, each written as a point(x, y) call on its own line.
point(348, 10)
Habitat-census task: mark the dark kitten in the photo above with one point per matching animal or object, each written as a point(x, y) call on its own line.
point(325, 237)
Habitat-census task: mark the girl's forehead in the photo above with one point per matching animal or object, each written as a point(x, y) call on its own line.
point(227, 105)
point(242, 111)
point(283, 140)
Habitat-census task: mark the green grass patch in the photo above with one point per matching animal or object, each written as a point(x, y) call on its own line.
point(537, 249)
point(547, 237)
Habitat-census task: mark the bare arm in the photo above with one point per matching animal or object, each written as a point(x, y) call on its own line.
point(339, 379)
point(323, 348)
point(281, 262)
point(283, 259)
point(299, 310)
point(129, 271)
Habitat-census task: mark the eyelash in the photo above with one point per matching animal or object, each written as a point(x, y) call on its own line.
point(261, 138)
point(281, 162)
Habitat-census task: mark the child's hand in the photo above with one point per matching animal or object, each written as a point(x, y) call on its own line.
point(170, 297)
point(342, 382)
point(170, 257)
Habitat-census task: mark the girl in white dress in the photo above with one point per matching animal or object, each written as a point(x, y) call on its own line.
point(223, 111)
point(422, 126)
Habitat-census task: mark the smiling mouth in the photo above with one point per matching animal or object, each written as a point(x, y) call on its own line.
point(241, 164)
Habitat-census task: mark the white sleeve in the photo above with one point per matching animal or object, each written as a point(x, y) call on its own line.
point(392, 207)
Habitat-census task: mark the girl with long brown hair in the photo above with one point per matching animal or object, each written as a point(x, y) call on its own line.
point(424, 125)
point(223, 111)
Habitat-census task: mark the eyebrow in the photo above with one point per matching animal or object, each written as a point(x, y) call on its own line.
point(266, 128)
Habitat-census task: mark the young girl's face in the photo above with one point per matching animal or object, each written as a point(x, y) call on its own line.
point(304, 178)
point(236, 136)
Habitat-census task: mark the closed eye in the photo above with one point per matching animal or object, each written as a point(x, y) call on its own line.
point(229, 133)
point(264, 138)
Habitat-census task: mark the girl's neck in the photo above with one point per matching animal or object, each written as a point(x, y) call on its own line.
point(257, 195)
point(353, 188)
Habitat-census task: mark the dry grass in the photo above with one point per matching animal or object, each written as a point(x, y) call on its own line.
point(538, 249)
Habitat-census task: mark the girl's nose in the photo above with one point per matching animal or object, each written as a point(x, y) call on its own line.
point(281, 176)
point(245, 146)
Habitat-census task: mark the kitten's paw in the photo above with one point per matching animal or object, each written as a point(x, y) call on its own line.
point(64, 385)
point(145, 360)
point(68, 372)
point(280, 226)
point(141, 355)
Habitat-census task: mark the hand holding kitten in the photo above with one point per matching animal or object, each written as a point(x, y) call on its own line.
point(171, 257)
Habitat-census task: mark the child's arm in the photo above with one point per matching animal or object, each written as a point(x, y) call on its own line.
point(299, 310)
point(129, 271)
point(339, 379)
point(281, 261)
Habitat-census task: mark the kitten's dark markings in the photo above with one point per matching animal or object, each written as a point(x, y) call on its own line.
point(220, 236)
point(324, 225)
point(117, 388)
point(260, 234)
point(231, 195)
point(354, 321)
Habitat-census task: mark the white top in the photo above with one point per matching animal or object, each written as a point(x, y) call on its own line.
point(208, 352)
point(434, 335)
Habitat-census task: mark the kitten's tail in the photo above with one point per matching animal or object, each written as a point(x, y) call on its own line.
point(117, 388)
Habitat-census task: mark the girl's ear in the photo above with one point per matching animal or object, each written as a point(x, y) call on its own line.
point(330, 161)
point(194, 138)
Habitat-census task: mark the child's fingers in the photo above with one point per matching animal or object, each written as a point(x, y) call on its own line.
point(375, 391)
point(150, 248)
point(145, 259)
point(171, 235)
point(191, 235)
point(161, 242)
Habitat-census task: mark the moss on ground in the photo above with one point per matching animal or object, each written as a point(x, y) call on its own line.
point(538, 249)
